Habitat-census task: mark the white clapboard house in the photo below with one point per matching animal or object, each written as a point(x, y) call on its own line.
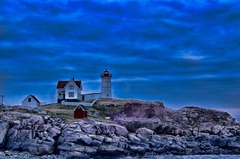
point(69, 91)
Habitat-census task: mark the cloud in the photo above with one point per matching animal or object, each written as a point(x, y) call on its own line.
point(180, 52)
point(191, 56)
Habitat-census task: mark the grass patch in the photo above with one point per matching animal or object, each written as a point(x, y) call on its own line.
point(59, 111)
point(105, 107)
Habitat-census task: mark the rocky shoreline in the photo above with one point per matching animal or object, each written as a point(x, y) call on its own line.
point(45, 136)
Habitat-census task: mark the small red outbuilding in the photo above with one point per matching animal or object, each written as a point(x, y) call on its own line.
point(79, 112)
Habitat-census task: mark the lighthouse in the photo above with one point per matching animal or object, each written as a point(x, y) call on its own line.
point(106, 91)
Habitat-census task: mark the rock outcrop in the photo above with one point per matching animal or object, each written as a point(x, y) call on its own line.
point(32, 133)
point(166, 121)
point(198, 131)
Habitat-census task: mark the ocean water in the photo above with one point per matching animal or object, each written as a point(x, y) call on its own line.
point(186, 157)
point(26, 155)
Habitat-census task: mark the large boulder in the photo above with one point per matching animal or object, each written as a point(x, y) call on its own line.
point(3, 133)
point(89, 128)
point(40, 149)
point(107, 129)
point(121, 130)
point(147, 133)
point(110, 150)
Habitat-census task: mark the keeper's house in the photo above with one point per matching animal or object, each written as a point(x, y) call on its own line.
point(69, 91)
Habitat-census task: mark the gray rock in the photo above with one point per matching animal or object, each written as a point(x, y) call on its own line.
point(25, 134)
point(37, 149)
point(44, 127)
point(3, 133)
point(53, 131)
point(43, 112)
point(161, 150)
point(133, 138)
point(50, 139)
point(121, 130)
point(16, 146)
point(97, 137)
point(86, 140)
point(12, 135)
point(36, 119)
point(138, 149)
point(85, 149)
point(206, 127)
point(70, 138)
point(90, 150)
point(233, 144)
point(25, 115)
point(219, 141)
point(89, 128)
point(106, 129)
point(108, 140)
point(110, 150)
point(16, 124)
point(96, 143)
point(65, 147)
point(122, 144)
point(147, 133)
point(217, 129)
point(143, 139)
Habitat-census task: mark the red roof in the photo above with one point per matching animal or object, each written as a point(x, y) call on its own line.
point(106, 73)
point(62, 84)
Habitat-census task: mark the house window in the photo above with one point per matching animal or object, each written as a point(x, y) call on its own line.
point(29, 99)
point(70, 94)
point(71, 87)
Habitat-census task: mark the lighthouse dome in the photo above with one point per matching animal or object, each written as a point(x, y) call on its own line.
point(106, 73)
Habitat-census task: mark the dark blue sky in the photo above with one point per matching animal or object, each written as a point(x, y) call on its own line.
point(180, 52)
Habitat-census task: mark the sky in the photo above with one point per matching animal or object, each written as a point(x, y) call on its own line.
point(176, 51)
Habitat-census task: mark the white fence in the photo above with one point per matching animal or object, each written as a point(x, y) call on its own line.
point(80, 103)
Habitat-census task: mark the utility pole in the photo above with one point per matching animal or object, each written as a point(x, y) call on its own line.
point(2, 97)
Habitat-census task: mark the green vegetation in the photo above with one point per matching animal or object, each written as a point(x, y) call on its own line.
point(60, 111)
point(108, 107)
point(101, 109)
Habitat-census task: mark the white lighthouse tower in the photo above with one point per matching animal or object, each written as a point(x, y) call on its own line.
point(106, 91)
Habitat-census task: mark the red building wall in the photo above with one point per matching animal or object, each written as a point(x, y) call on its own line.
point(79, 112)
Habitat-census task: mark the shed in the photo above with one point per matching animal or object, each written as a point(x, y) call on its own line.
point(79, 112)
point(31, 100)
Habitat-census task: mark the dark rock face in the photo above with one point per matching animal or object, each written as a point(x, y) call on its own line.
point(154, 116)
point(195, 133)
point(104, 139)
point(4, 128)
point(30, 133)
point(143, 109)
point(195, 115)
